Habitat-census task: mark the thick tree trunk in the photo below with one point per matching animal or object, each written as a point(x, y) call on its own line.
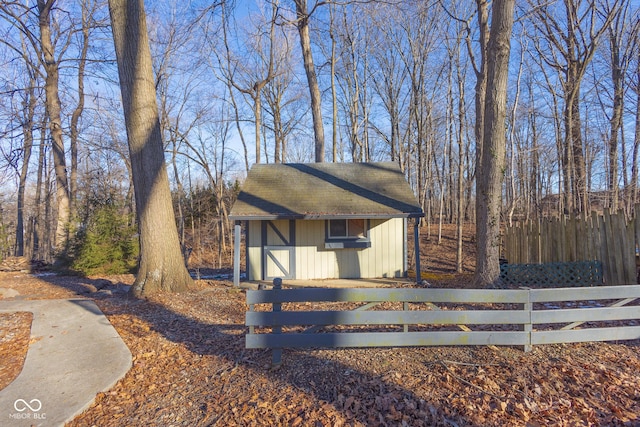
point(309, 68)
point(480, 93)
point(490, 174)
point(55, 124)
point(161, 264)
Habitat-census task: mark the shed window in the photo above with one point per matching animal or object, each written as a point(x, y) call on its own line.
point(347, 228)
point(347, 233)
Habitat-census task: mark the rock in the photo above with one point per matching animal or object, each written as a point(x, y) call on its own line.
point(8, 293)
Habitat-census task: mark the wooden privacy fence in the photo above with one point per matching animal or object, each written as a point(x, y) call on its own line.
point(610, 238)
point(404, 317)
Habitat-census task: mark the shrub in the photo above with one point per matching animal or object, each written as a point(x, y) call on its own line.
point(105, 243)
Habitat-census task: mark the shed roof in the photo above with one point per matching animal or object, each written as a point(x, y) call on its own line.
point(324, 191)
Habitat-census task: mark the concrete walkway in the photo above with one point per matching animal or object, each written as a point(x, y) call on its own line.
point(74, 354)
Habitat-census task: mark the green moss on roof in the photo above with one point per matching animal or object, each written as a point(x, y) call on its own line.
point(325, 190)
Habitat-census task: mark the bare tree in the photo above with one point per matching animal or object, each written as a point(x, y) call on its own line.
point(51, 66)
point(568, 46)
point(635, 86)
point(479, 66)
point(44, 51)
point(28, 115)
point(621, 49)
point(421, 34)
point(161, 265)
point(491, 167)
point(23, 99)
point(350, 79)
point(226, 74)
point(283, 100)
point(43, 45)
point(389, 78)
point(458, 121)
point(256, 83)
point(302, 23)
point(87, 23)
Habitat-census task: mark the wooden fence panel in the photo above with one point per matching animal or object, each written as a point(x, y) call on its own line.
point(609, 238)
point(536, 321)
point(631, 267)
point(585, 335)
point(387, 339)
point(393, 317)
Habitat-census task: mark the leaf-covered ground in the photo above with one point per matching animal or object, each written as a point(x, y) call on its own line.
point(190, 368)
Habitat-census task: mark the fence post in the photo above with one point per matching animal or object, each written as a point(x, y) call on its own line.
point(276, 354)
point(405, 307)
point(252, 329)
point(528, 327)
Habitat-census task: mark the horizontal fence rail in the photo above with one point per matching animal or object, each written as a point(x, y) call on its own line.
point(520, 317)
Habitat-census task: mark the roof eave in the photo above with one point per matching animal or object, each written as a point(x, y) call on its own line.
point(319, 216)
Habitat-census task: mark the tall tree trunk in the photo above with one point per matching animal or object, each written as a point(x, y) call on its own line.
point(257, 113)
point(480, 93)
point(27, 130)
point(574, 146)
point(302, 16)
point(490, 174)
point(48, 233)
point(161, 264)
point(55, 124)
point(636, 146)
point(180, 198)
point(461, 149)
point(334, 90)
point(77, 112)
point(278, 135)
point(617, 78)
point(36, 222)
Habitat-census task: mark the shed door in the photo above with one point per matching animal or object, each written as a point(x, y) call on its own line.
point(278, 238)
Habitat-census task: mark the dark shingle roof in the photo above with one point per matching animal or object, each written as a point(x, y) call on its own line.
point(325, 190)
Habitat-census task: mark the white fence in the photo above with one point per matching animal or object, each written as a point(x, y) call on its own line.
point(440, 317)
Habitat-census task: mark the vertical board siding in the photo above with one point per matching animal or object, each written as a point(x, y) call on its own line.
point(385, 257)
point(276, 238)
point(254, 251)
point(610, 238)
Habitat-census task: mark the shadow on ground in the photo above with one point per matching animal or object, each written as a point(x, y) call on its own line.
point(218, 382)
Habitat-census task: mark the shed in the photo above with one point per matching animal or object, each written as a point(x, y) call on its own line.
point(324, 221)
